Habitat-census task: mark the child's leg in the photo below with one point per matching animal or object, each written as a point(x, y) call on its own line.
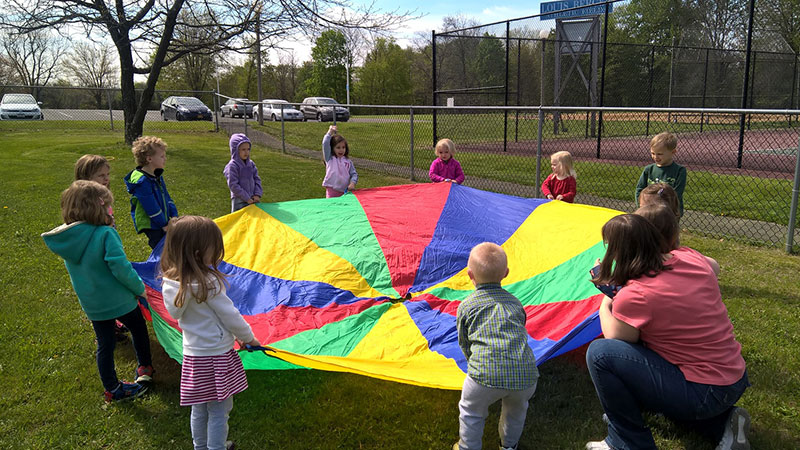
point(141, 340)
point(473, 410)
point(154, 236)
point(106, 341)
point(237, 204)
point(218, 413)
point(512, 416)
point(199, 424)
point(331, 193)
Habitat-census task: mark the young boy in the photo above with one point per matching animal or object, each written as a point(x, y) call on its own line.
point(242, 174)
point(151, 205)
point(664, 170)
point(500, 364)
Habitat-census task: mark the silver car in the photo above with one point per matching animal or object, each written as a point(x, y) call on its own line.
point(272, 111)
point(236, 107)
point(20, 107)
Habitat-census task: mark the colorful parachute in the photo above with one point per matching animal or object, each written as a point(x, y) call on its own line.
point(370, 282)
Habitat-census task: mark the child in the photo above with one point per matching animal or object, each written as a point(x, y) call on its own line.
point(151, 205)
point(660, 193)
point(195, 295)
point(242, 174)
point(340, 173)
point(560, 185)
point(501, 365)
point(445, 167)
point(104, 281)
point(664, 170)
point(666, 222)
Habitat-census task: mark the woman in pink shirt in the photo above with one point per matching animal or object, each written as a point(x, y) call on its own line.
point(669, 346)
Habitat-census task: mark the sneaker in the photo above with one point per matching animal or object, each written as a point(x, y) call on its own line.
point(509, 448)
point(737, 429)
point(144, 374)
point(456, 447)
point(597, 445)
point(125, 391)
point(229, 445)
point(120, 331)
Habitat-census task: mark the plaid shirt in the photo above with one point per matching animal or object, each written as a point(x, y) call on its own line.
point(492, 335)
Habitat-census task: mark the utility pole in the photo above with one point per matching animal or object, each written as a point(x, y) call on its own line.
point(258, 67)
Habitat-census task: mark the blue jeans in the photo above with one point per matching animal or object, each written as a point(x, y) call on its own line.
point(104, 330)
point(237, 204)
point(630, 378)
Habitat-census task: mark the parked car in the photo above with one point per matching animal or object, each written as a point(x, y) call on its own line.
point(236, 107)
point(20, 107)
point(184, 108)
point(272, 111)
point(322, 109)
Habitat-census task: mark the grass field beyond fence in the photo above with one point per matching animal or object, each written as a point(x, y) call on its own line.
point(52, 397)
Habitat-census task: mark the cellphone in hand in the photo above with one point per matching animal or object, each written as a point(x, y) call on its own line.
point(608, 289)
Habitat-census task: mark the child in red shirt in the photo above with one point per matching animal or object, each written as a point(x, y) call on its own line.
point(561, 184)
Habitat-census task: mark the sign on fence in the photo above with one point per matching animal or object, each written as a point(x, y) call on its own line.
point(556, 9)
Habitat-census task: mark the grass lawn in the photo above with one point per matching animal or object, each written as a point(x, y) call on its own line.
point(52, 397)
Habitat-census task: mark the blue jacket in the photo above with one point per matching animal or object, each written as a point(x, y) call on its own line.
point(242, 175)
point(101, 274)
point(151, 205)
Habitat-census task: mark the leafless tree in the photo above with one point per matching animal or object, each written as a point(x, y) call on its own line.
point(93, 66)
point(33, 56)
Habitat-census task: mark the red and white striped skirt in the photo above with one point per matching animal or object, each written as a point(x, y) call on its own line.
point(211, 378)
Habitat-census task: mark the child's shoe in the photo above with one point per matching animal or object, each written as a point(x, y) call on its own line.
point(125, 391)
point(737, 428)
point(229, 445)
point(598, 445)
point(120, 331)
point(144, 374)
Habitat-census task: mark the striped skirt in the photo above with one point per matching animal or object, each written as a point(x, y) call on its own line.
point(211, 378)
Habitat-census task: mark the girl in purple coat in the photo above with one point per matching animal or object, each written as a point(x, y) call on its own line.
point(445, 167)
point(242, 174)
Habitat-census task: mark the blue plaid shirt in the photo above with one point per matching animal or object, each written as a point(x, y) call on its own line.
point(492, 335)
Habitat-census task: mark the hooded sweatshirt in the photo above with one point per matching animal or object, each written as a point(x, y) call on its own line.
point(209, 327)
point(242, 175)
point(101, 274)
point(151, 205)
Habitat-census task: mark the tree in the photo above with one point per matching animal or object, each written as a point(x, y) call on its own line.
point(385, 77)
point(94, 67)
point(149, 27)
point(34, 56)
point(328, 75)
point(490, 62)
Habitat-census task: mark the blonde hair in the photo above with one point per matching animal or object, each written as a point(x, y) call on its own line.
point(86, 201)
point(564, 160)
point(87, 166)
point(664, 139)
point(488, 262)
point(146, 146)
point(446, 143)
point(189, 239)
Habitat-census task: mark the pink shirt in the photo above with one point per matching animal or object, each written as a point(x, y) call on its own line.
point(446, 170)
point(680, 316)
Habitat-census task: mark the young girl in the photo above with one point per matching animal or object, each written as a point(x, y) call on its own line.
point(660, 193)
point(195, 295)
point(340, 173)
point(445, 167)
point(560, 185)
point(104, 281)
point(669, 345)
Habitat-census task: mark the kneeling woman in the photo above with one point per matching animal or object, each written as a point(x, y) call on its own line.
point(669, 346)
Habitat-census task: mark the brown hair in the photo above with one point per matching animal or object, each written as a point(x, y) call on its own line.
point(335, 140)
point(488, 262)
point(86, 201)
point(665, 221)
point(88, 165)
point(664, 139)
point(188, 241)
point(634, 248)
point(564, 158)
point(661, 193)
point(146, 146)
point(446, 143)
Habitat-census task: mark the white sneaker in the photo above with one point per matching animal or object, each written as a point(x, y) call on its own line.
point(597, 445)
point(736, 432)
point(509, 448)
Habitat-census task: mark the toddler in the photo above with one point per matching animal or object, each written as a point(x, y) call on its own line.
point(151, 205)
point(500, 364)
point(561, 184)
point(664, 169)
point(242, 174)
point(660, 193)
point(104, 281)
point(340, 173)
point(445, 167)
point(195, 295)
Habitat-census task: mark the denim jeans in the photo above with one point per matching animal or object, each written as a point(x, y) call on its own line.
point(630, 378)
point(237, 204)
point(210, 424)
point(104, 330)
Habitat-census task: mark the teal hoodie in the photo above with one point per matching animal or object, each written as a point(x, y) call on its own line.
point(101, 274)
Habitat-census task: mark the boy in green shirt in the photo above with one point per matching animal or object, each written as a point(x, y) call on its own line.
point(665, 169)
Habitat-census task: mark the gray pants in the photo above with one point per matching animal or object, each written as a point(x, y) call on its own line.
point(474, 408)
point(210, 424)
point(237, 204)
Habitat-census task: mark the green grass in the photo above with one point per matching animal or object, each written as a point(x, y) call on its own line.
point(52, 394)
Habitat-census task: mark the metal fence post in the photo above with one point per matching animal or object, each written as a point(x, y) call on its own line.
point(283, 131)
point(216, 111)
point(539, 154)
point(793, 209)
point(110, 111)
point(411, 126)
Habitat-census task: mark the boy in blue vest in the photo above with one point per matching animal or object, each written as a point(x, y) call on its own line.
point(664, 169)
point(500, 364)
point(151, 205)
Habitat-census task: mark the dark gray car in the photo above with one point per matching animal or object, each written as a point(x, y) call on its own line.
point(322, 109)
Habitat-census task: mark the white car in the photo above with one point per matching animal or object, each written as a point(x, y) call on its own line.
point(272, 111)
point(20, 107)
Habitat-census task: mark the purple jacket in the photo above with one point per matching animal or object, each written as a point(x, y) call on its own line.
point(242, 175)
point(450, 170)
